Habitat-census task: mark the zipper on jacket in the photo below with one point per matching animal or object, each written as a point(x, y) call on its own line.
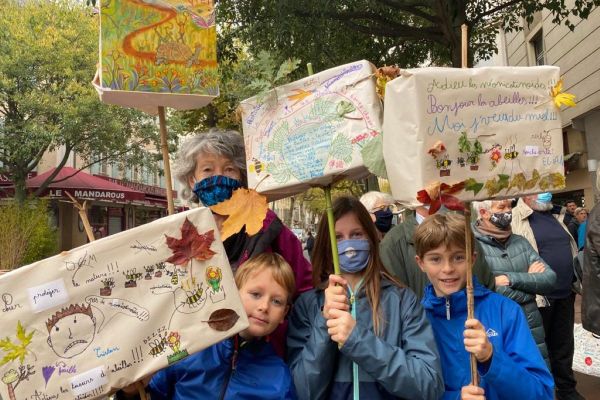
point(448, 309)
point(232, 366)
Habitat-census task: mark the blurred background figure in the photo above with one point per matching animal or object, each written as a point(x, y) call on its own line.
point(381, 207)
point(310, 244)
point(590, 302)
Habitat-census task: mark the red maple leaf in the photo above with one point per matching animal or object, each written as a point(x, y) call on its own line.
point(442, 195)
point(191, 245)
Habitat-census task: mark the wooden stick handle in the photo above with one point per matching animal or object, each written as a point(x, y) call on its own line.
point(166, 161)
point(465, 46)
point(470, 297)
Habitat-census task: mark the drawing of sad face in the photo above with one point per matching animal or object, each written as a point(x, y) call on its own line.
point(71, 331)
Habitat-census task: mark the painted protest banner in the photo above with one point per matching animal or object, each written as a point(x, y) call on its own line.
point(312, 132)
point(101, 316)
point(470, 134)
point(158, 53)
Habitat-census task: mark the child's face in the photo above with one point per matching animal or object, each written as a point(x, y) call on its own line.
point(265, 303)
point(446, 269)
point(348, 227)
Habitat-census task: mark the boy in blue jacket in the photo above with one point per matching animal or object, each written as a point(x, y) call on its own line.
point(245, 366)
point(508, 361)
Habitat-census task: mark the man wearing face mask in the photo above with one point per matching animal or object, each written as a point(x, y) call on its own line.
point(519, 270)
point(535, 219)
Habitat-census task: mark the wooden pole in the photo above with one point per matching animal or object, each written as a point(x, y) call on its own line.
point(83, 215)
point(165, 154)
point(468, 249)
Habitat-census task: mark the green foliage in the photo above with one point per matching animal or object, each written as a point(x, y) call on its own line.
point(16, 350)
point(314, 198)
point(404, 32)
point(242, 76)
point(48, 56)
point(26, 235)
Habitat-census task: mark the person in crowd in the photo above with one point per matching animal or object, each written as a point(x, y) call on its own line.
point(380, 205)
point(570, 207)
point(210, 166)
point(359, 334)
point(533, 218)
point(508, 361)
point(246, 365)
point(581, 215)
point(519, 270)
point(398, 254)
point(310, 244)
point(590, 297)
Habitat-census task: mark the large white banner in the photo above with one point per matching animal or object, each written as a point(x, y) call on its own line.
point(468, 134)
point(312, 132)
point(83, 323)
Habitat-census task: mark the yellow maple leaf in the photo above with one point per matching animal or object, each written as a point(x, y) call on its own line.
point(560, 98)
point(245, 207)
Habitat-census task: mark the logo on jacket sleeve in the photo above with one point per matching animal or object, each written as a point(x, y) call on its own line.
point(491, 333)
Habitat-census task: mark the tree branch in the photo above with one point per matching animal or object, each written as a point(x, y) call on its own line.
point(411, 8)
point(494, 10)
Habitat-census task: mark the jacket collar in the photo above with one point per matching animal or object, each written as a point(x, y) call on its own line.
point(489, 239)
point(457, 301)
point(521, 211)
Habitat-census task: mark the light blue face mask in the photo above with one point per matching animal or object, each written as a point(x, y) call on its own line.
point(354, 255)
point(544, 197)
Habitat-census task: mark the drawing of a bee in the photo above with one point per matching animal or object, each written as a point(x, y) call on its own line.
point(174, 279)
point(511, 156)
point(194, 298)
point(256, 166)
point(443, 164)
point(157, 346)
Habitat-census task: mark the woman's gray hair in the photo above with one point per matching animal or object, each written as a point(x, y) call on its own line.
point(371, 199)
point(228, 144)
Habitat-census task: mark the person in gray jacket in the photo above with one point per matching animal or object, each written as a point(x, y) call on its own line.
point(520, 272)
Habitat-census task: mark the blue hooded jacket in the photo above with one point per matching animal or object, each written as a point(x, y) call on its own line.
point(253, 372)
point(516, 367)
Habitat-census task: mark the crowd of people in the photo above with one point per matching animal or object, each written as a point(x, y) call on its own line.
point(394, 323)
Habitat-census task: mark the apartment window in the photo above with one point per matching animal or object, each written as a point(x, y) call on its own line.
point(538, 48)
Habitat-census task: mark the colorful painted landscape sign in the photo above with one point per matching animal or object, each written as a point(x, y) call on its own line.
point(158, 53)
point(312, 132)
point(83, 323)
point(456, 135)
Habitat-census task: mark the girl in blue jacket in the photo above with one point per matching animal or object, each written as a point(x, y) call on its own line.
point(508, 360)
point(360, 334)
point(245, 366)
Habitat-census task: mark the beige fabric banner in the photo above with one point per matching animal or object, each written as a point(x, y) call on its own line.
point(312, 132)
point(470, 134)
point(83, 323)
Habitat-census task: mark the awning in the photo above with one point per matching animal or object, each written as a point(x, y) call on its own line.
point(83, 186)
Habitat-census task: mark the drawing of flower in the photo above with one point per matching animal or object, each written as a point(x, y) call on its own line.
point(173, 340)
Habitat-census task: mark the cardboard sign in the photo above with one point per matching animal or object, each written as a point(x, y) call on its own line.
point(158, 53)
point(83, 323)
point(472, 134)
point(312, 132)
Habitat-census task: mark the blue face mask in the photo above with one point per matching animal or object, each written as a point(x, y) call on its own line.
point(215, 189)
point(544, 197)
point(354, 255)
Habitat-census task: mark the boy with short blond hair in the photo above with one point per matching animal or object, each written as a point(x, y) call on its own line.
point(245, 366)
point(508, 360)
